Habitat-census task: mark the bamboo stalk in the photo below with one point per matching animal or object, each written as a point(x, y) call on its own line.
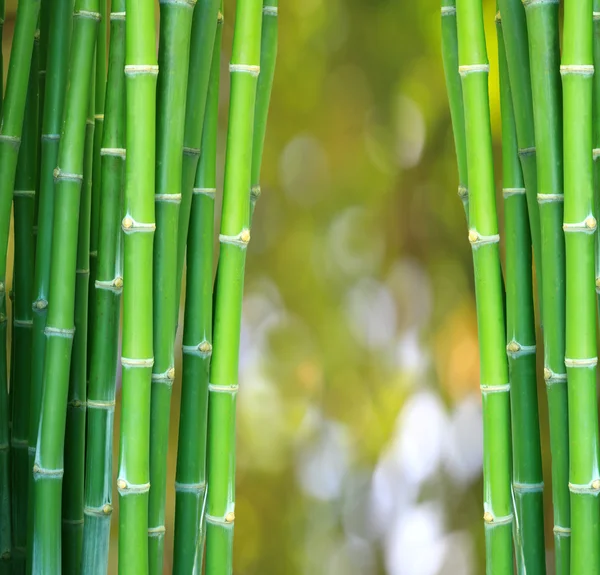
point(190, 484)
point(514, 28)
point(24, 198)
point(204, 29)
point(268, 56)
point(484, 238)
point(73, 484)
point(61, 16)
point(48, 467)
point(580, 226)
point(544, 49)
point(234, 238)
point(455, 97)
point(596, 133)
point(108, 286)
point(138, 224)
point(528, 482)
point(173, 61)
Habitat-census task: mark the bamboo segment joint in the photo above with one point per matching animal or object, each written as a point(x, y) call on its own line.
point(19, 443)
point(463, 192)
point(467, 69)
point(598, 285)
point(220, 17)
point(524, 152)
point(59, 332)
point(477, 240)
point(515, 349)
point(577, 70)
point(593, 487)
point(585, 362)
point(141, 69)
point(50, 137)
point(60, 175)
point(172, 198)
point(495, 388)
point(595, 16)
point(251, 69)
point(161, 529)
point(108, 405)
point(23, 322)
point(165, 377)
point(493, 521)
point(551, 377)
point(187, 3)
point(24, 193)
point(270, 10)
point(143, 363)
point(76, 404)
point(528, 487)
point(126, 488)
point(241, 240)
point(72, 521)
point(115, 285)
point(14, 141)
point(203, 349)
point(562, 531)
point(40, 304)
point(104, 511)
point(223, 388)
point(528, 3)
point(596, 151)
point(255, 192)
point(87, 14)
point(548, 198)
point(119, 152)
point(508, 192)
point(210, 192)
point(130, 226)
point(40, 472)
point(587, 226)
point(187, 151)
point(117, 15)
point(226, 520)
point(190, 487)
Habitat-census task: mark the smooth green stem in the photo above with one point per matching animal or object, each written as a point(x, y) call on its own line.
point(204, 29)
point(544, 53)
point(190, 486)
point(521, 349)
point(173, 61)
point(484, 238)
point(596, 134)
point(234, 238)
point(580, 227)
point(268, 56)
point(108, 287)
point(48, 468)
point(133, 482)
point(455, 96)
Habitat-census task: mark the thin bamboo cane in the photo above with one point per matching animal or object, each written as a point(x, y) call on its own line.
point(190, 485)
point(99, 101)
point(268, 56)
point(173, 61)
point(138, 224)
point(234, 238)
point(484, 239)
point(528, 482)
point(108, 285)
point(61, 16)
point(2, 17)
point(514, 28)
point(73, 484)
point(48, 467)
point(596, 133)
point(24, 198)
point(455, 98)
point(580, 226)
point(5, 514)
point(544, 50)
point(204, 29)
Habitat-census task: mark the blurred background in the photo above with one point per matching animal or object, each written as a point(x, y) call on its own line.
point(359, 417)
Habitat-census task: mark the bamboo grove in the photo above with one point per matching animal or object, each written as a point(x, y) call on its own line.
point(108, 180)
point(550, 174)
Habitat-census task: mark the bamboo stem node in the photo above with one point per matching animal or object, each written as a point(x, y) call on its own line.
point(550, 377)
point(24, 193)
point(143, 363)
point(104, 511)
point(141, 69)
point(126, 488)
point(585, 362)
point(190, 487)
point(165, 377)
point(19, 443)
point(598, 284)
point(549, 198)
point(77, 404)
point(203, 349)
point(50, 137)
point(50, 473)
point(515, 349)
point(587, 226)
point(226, 520)
point(491, 520)
point(467, 69)
point(593, 487)
point(130, 226)
point(119, 152)
point(508, 192)
point(251, 69)
point(172, 198)
point(59, 332)
point(595, 154)
point(186, 3)
point(14, 141)
point(528, 487)
point(524, 152)
point(255, 192)
point(242, 239)
point(595, 16)
point(210, 192)
point(157, 531)
point(528, 3)
point(23, 322)
point(115, 285)
point(577, 70)
point(40, 304)
point(188, 151)
point(117, 15)
point(101, 404)
point(272, 10)
point(476, 239)
point(495, 388)
point(562, 531)
point(463, 192)
point(60, 175)
point(223, 388)
point(88, 14)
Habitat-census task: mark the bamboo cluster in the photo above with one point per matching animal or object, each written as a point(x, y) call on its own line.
point(108, 173)
point(550, 109)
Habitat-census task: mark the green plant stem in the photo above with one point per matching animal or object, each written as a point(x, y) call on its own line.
point(521, 350)
point(108, 286)
point(133, 484)
point(73, 484)
point(190, 485)
point(514, 29)
point(234, 238)
point(596, 133)
point(204, 29)
point(173, 60)
point(580, 226)
point(48, 467)
point(455, 96)
point(483, 235)
point(61, 17)
point(268, 56)
point(544, 51)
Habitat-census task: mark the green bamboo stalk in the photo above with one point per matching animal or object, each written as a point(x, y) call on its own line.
point(204, 29)
point(455, 97)
point(514, 28)
point(2, 17)
point(173, 61)
point(73, 484)
point(48, 467)
point(580, 226)
point(24, 198)
point(596, 134)
point(528, 482)
point(234, 238)
point(544, 50)
point(61, 16)
point(268, 56)
point(484, 238)
point(190, 484)
point(99, 99)
point(5, 513)
point(138, 225)
point(108, 285)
